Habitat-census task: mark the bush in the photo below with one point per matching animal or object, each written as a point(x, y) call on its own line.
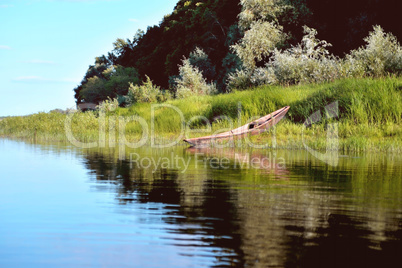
point(259, 42)
point(239, 80)
point(310, 62)
point(147, 92)
point(61, 111)
point(382, 55)
point(191, 82)
point(108, 105)
point(198, 58)
point(307, 62)
point(122, 100)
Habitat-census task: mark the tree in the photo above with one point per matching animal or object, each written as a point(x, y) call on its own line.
point(118, 80)
point(261, 10)
point(96, 70)
point(259, 42)
point(263, 24)
point(198, 58)
point(112, 82)
point(94, 90)
point(158, 52)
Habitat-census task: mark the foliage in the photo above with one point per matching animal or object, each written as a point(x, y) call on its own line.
point(267, 24)
point(240, 80)
point(147, 92)
point(259, 20)
point(123, 100)
point(209, 25)
point(307, 62)
point(260, 10)
point(198, 58)
point(108, 105)
point(250, 28)
point(94, 90)
point(370, 115)
point(110, 83)
point(118, 80)
point(311, 62)
point(191, 82)
point(96, 70)
point(382, 54)
point(192, 24)
point(61, 111)
point(345, 25)
point(258, 42)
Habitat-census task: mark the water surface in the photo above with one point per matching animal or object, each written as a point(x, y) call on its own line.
point(66, 207)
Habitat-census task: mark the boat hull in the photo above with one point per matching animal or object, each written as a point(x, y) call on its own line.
point(254, 128)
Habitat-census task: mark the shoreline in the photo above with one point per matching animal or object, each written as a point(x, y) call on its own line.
point(351, 144)
point(368, 118)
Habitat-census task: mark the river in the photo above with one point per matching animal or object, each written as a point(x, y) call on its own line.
point(61, 206)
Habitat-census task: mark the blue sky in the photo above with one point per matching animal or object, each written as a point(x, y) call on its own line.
point(46, 46)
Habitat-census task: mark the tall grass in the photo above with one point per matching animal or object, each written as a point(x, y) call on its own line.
point(370, 115)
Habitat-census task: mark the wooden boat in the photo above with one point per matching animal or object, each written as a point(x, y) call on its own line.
point(254, 128)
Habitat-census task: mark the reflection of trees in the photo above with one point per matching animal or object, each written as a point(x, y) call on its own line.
point(311, 215)
point(201, 209)
point(267, 164)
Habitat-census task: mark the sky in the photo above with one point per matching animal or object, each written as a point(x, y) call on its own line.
point(46, 46)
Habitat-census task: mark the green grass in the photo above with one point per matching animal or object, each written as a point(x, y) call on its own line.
point(370, 112)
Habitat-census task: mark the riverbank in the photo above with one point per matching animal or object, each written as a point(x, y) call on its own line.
point(366, 116)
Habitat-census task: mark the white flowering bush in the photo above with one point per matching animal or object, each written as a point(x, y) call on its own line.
point(198, 58)
point(381, 55)
point(264, 10)
point(190, 82)
point(239, 80)
point(108, 105)
point(351, 67)
point(307, 62)
point(147, 92)
point(259, 42)
point(261, 23)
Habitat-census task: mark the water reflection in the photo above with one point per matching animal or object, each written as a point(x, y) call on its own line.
point(206, 216)
point(266, 162)
point(302, 213)
point(261, 208)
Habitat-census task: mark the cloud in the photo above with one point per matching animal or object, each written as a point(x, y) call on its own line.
point(31, 78)
point(40, 62)
point(5, 6)
point(5, 47)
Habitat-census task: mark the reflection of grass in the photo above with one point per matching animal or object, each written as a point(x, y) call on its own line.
point(370, 112)
point(373, 179)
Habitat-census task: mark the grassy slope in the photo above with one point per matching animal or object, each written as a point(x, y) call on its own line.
point(370, 112)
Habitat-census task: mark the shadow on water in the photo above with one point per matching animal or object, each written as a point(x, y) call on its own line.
point(289, 211)
point(196, 208)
